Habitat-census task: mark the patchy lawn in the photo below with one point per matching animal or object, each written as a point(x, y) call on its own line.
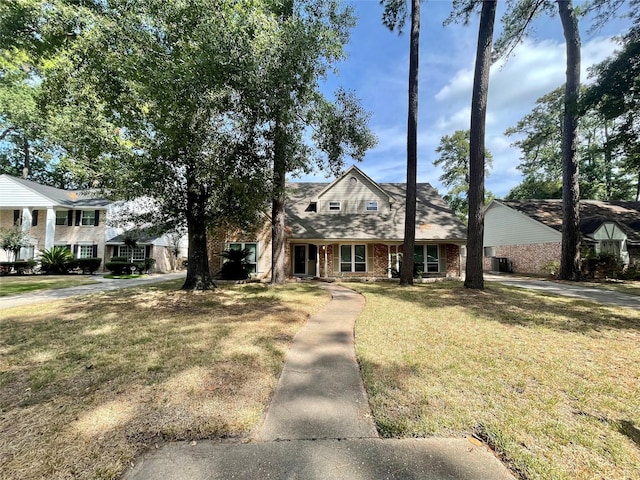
point(550, 383)
point(86, 384)
point(16, 284)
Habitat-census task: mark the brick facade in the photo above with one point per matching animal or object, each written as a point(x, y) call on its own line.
point(527, 258)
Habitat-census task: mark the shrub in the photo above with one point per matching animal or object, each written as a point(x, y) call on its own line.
point(146, 265)
point(551, 268)
point(119, 267)
point(57, 260)
point(89, 265)
point(235, 267)
point(20, 266)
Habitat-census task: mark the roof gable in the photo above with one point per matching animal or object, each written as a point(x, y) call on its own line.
point(352, 180)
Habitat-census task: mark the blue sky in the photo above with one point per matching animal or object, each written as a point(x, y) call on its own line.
point(377, 68)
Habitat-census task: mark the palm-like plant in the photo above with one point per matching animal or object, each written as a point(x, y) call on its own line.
point(235, 265)
point(56, 260)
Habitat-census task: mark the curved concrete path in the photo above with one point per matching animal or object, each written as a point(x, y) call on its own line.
point(607, 297)
point(319, 426)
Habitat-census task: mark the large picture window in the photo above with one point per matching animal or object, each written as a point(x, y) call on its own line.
point(353, 258)
point(135, 254)
point(252, 258)
point(426, 258)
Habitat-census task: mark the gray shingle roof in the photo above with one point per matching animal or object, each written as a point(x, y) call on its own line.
point(593, 213)
point(434, 218)
point(65, 198)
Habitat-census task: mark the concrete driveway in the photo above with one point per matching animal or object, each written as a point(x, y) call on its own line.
point(608, 297)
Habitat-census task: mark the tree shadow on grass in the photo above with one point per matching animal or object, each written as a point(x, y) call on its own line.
point(515, 306)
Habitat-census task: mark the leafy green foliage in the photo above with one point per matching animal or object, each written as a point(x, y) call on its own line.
point(603, 175)
point(89, 265)
point(454, 160)
point(57, 259)
point(12, 240)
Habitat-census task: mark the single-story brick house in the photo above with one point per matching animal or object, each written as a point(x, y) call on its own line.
point(354, 227)
point(529, 232)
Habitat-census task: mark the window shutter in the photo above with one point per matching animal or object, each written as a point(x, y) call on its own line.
point(147, 251)
point(16, 217)
point(70, 217)
point(94, 252)
point(336, 259)
point(75, 251)
point(34, 218)
point(96, 221)
point(68, 246)
point(78, 217)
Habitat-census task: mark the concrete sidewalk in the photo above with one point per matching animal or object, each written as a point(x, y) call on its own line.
point(102, 285)
point(319, 425)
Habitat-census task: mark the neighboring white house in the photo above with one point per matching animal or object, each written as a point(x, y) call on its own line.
point(528, 233)
point(78, 220)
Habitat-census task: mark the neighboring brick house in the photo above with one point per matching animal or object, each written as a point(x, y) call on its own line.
point(528, 233)
point(354, 227)
point(77, 220)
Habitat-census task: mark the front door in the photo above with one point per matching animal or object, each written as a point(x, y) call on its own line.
point(299, 259)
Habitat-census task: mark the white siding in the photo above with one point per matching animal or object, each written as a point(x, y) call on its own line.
point(505, 226)
point(15, 195)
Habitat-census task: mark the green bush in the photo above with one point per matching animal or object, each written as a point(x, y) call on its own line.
point(120, 259)
point(57, 260)
point(89, 265)
point(551, 268)
point(20, 266)
point(119, 267)
point(146, 266)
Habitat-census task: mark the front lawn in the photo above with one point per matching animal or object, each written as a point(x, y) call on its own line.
point(16, 284)
point(88, 383)
point(550, 383)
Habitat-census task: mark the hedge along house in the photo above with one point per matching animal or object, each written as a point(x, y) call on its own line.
point(53, 217)
point(529, 232)
point(354, 227)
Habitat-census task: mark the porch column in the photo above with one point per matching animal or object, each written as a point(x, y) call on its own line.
point(25, 227)
point(389, 261)
point(317, 261)
point(326, 271)
point(50, 231)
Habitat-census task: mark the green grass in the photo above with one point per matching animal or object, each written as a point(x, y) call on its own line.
point(87, 385)
point(550, 383)
point(17, 284)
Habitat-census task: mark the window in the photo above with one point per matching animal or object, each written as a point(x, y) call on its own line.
point(353, 258)
point(85, 251)
point(88, 217)
point(136, 254)
point(251, 259)
point(372, 206)
point(61, 217)
point(334, 206)
point(426, 258)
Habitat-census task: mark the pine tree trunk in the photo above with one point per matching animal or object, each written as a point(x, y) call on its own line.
point(475, 231)
point(198, 274)
point(570, 253)
point(406, 271)
point(278, 264)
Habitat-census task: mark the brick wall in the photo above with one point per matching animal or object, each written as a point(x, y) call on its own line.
point(453, 260)
point(527, 258)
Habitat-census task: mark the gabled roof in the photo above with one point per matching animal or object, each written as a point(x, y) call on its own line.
point(64, 198)
point(350, 171)
point(434, 219)
point(593, 213)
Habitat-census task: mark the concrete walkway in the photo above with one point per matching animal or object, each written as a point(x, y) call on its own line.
point(102, 285)
point(319, 426)
point(607, 297)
